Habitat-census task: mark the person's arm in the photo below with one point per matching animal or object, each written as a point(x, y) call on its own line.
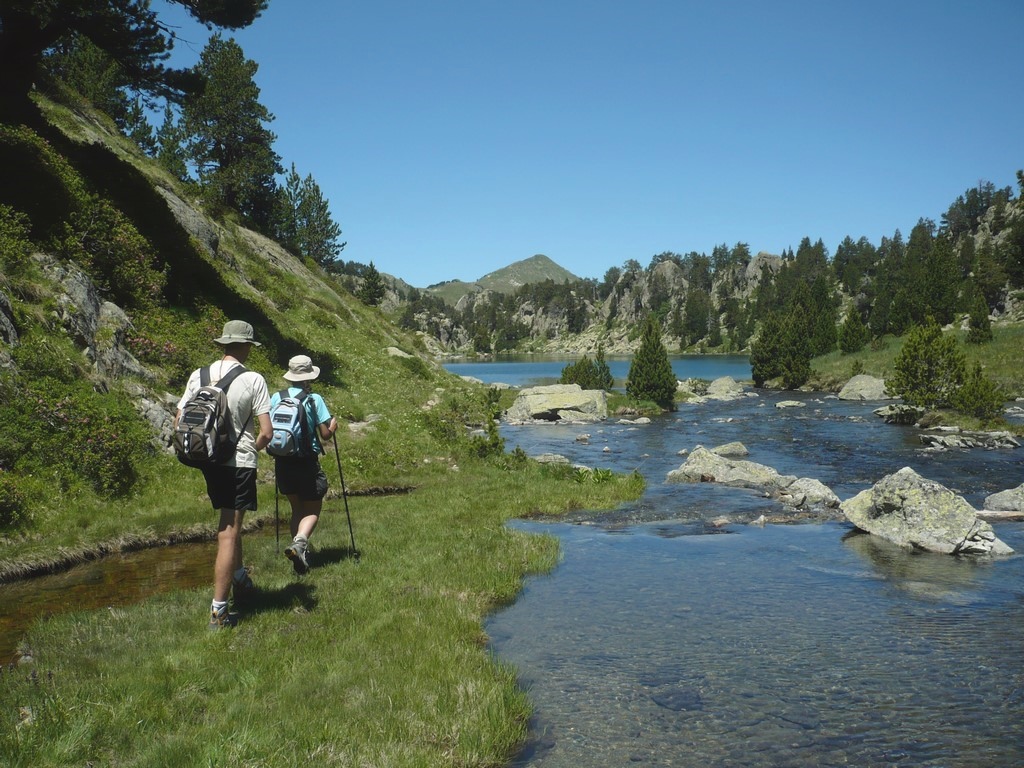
point(266, 431)
point(327, 429)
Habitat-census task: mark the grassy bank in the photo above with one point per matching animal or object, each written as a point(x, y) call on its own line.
point(1000, 359)
point(377, 662)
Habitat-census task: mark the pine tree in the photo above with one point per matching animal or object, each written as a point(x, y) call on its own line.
point(650, 373)
point(129, 32)
point(980, 330)
point(581, 372)
point(303, 222)
point(766, 350)
point(227, 138)
point(854, 334)
point(796, 352)
point(604, 379)
point(169, 149)
point(372, 290)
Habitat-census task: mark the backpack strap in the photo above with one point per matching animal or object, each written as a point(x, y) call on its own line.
point(224, 382)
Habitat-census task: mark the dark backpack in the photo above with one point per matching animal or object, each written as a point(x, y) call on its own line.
point(291, 437)
point(204, 435)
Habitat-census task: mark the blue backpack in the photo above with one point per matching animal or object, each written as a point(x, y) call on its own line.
point(291, 437)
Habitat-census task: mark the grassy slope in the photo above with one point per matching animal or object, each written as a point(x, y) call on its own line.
point(1000, 359)
point(381, 662)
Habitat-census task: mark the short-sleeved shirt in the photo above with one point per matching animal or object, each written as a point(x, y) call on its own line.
point(248, 398)
point(315, 408)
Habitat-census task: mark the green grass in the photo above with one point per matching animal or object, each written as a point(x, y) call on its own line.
point(1001, 359)
point(377, 662)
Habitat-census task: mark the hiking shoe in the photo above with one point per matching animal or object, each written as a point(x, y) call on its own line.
point(296, 552)
point(222, 619)
point(242, 587)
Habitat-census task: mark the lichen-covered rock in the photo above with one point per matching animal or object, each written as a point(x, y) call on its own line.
point(1011, 500)
point(911, 511)
point(552, 402)
point(864, 387)
point(705, 466)
point(735, 448)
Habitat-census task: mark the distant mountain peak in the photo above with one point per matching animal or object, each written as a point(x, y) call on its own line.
point(535, 269)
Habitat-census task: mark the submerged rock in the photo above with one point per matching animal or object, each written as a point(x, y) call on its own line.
point(911, 511)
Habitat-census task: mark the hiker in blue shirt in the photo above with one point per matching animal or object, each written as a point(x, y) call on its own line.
point(300, 478)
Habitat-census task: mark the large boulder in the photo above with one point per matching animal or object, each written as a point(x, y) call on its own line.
point(1011, 500)
point(725, 388)
point(559, 402)
point(914, 512)
point(864, 387)
point(707, 466)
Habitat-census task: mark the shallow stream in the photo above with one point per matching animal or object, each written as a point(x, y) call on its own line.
point(666, 637)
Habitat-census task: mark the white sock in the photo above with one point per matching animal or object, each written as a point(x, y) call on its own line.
point(216, 605)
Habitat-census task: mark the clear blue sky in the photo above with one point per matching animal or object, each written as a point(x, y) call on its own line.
point(454, 138)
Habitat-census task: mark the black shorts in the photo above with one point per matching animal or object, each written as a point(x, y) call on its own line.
point(231, 487)
point(301, 477)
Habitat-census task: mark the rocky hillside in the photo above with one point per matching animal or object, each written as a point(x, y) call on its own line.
point(113, 283)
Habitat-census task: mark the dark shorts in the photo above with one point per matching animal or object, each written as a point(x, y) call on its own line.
point(301, 477)
point(231, 487)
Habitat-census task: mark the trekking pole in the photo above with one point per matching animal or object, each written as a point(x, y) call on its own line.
point(277, 515)
point(344, 496)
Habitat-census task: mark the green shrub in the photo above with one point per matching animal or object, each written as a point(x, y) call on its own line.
point(120, 261)
point(12, 502)
point(175, 340)
point(55, 422)
point(979, 396)
point(14, 243)
point(415, 366)
point(929, 370)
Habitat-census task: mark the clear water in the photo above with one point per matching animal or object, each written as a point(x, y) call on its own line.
point(534, 370)
point(665, 639)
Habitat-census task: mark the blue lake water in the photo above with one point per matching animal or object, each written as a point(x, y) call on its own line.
point(534, 370)
point(665, 639)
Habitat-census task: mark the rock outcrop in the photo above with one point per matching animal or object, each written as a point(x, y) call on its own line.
point(914, 512)
point(864, 387)
point(559, 402)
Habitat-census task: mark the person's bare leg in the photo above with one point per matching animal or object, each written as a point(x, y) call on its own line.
point(229, 552)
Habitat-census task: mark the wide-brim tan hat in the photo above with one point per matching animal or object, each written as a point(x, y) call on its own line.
point(237, 332)
point(301, 368)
